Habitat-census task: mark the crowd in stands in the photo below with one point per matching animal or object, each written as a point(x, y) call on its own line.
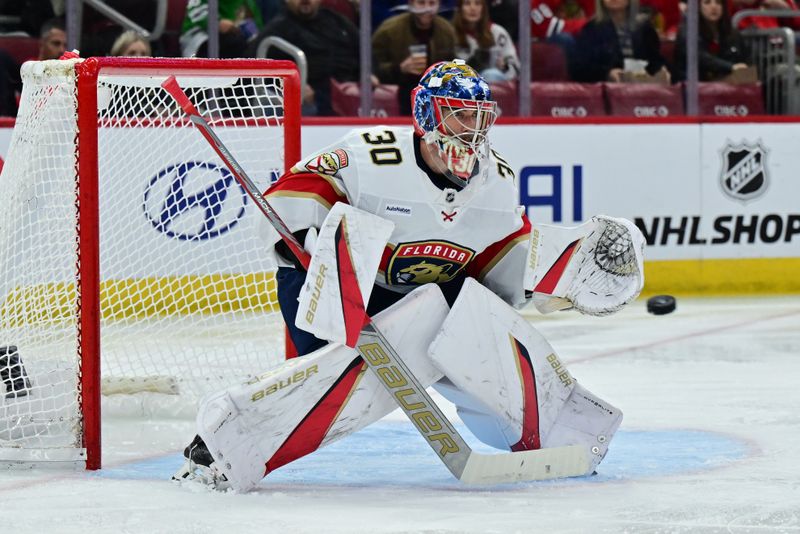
point(611, 41)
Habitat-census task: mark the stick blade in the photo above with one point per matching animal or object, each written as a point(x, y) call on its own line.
point(541, 464)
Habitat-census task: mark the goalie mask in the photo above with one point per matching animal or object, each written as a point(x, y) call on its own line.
point(453, 111)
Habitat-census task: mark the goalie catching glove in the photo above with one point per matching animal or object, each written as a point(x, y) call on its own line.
point(595, 268)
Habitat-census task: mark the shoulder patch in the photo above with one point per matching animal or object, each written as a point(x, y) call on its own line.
point(328, 163)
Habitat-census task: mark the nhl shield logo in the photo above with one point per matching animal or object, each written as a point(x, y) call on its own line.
point(744, 171)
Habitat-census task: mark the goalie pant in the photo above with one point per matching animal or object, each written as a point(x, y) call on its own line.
point(509, 387)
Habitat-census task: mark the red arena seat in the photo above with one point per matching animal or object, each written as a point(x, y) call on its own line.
point(567, 99)
point(727, 100)
point(644, 99)
point(20, 48)
point(548, 63)
point(346, 99)
point(507, 98)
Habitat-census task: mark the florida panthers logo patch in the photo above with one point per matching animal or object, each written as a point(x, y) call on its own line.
point(426, 262)
point(328, 163)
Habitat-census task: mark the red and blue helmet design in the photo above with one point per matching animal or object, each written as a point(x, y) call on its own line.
point(453, 108)
point(446, 79)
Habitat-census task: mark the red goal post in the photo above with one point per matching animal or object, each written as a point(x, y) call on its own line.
point(158, 285)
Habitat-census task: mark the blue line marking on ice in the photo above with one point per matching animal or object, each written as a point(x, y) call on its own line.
point(394, 454)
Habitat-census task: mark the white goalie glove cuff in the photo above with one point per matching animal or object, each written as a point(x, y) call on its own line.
point(596, 267)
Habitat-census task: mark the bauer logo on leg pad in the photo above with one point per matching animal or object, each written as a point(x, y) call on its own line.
point(296, 378)
point(560, 370)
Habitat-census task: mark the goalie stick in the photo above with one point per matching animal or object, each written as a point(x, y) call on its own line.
point(465, 464)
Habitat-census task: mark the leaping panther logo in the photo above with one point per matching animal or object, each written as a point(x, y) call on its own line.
point(426, 262)
point(425, 273)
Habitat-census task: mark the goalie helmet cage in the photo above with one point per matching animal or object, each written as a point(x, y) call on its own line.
point(119, 220)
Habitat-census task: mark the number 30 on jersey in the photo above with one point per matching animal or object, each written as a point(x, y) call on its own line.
point(383, 155)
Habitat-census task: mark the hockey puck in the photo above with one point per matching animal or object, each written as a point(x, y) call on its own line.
point(661, 304)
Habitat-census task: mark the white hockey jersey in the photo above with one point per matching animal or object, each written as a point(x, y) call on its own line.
point(440, 234)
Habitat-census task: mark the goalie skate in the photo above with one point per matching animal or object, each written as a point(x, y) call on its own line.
point(200, 468)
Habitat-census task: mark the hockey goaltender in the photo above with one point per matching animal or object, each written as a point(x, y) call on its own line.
point(404, 256)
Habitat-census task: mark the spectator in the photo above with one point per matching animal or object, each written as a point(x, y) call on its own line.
point(720, 48)
point(131, 43)
point(612, 36)
point(330, 43)
point(239, 22)
point(404, 45)
point(558, 20)
point(384, 9)
point(485, 46)
point(52, 40)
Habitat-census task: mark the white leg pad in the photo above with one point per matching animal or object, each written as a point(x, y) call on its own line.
point(311, 401)
point(479, 419)
point(510, 387)
point(587, 419)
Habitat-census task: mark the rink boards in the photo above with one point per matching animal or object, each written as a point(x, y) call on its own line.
point(717, 202)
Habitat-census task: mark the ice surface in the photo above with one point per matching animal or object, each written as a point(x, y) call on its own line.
point(709, 444)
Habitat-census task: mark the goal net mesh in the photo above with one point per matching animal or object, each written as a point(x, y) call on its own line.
point(187, 291)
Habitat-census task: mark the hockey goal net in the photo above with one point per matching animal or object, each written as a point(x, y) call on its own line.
point(130, 259)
